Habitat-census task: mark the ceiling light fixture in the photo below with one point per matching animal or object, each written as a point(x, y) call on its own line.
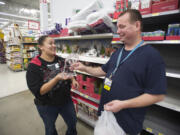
point(2, 3)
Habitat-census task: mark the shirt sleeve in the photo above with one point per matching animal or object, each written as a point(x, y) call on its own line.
point(156, 82)
point(34, 80)
point(105, 67)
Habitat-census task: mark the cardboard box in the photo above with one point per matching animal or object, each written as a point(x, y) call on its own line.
point(146, 8)
point(165, 5)
point(155, 38)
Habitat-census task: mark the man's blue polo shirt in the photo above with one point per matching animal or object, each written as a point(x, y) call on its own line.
point(143, 72)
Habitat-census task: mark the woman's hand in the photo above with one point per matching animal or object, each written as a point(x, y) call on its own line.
point(63, 76)
point(75, 83)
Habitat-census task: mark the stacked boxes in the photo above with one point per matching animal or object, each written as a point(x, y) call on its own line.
point(155, 35)
point(173, 32)
point(164, 5)
point(86, 107)
point(145, 6)
point(90, 86)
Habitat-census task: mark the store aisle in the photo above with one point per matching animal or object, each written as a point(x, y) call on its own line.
point(11, 82)
point(18, 116)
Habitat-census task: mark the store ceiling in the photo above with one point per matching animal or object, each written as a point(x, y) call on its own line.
point(19, 11)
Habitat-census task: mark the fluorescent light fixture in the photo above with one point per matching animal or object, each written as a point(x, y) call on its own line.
point(2, 3)
point(17, 16)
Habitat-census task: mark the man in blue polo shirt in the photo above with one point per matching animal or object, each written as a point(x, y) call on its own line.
point(135, 75)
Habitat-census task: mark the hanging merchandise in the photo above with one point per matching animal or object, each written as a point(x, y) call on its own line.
point(100, 22)
point(55, 31)
point(93, 19)
point(93, 7)
point(107, 125)
point(15, 35)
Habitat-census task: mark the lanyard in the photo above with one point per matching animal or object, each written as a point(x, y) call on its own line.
point(120, 55)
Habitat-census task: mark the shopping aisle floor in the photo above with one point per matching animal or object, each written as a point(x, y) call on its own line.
point(18, 116)
point(11, 82)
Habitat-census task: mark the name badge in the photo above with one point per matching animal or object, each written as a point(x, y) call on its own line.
point(107, 84)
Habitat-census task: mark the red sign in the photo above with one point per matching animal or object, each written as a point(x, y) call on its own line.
point(33, 25)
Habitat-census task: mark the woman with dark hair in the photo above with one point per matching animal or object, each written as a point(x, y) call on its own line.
point(51, 87)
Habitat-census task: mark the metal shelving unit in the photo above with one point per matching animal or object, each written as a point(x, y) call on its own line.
point(154, 42)
point(163, 117)
point(87, 104)
point(88, 74)
point(93, 36)
point(158, 122)
point(153, 15)
point(85, 96)
point(169, 73)
point(82, 116)
point(28, 54)
point(87, 59)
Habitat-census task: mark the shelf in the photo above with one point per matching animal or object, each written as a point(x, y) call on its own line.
point(14, 45)
point(172, 100)
point(92, 36)
point(164, 42)
point(28, 50)
point(169, 73)
point(84, 117)
point(146, 126)
point(87, 74)
point(87, 59)
point(116, 42)
point(172, 73)
point(13, 51)
point(161, 14)
point(27, 58)
point(87, 104)
point(170, 103)
point(153, 42)
point(161, 121)
point(157, 14)
point(29, 43)
point(85, 96)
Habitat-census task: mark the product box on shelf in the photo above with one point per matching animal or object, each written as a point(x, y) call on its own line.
point(89, 110)
point(173, 32)
point(89, 86)
point(145, 7)
point(16, 66)
point(155, 38)
point(28, 39)
point(172, 37)
point(64, 32)
point(164, 5)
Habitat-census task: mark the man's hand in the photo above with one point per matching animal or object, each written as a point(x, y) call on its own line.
point(114, 106)
point(78, 66)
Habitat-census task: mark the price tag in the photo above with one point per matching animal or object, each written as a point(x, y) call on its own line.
point(149, 130)
point(81, 94)
point(174, 41)
point(114, 20)
point(160, 134)
point(86, 96)
point(155, 14)
point(113, 42)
